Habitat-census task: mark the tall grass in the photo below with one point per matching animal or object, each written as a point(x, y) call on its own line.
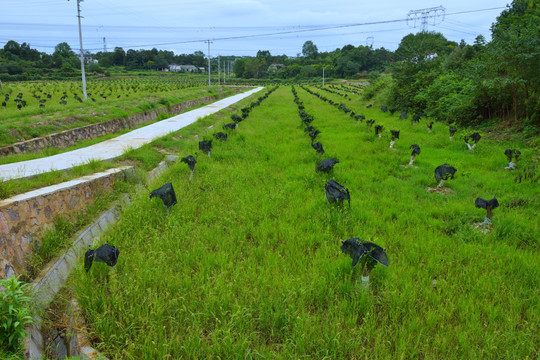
point(248, 264)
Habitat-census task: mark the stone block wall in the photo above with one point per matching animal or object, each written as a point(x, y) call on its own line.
point(24, 217)
point(73, 136)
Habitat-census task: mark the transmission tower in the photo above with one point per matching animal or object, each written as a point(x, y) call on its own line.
point(369, 41)
point(421, 17)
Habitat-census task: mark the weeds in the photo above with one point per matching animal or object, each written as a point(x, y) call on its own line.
point(14, 314)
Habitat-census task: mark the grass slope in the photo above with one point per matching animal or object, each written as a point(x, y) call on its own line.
point(248, 265)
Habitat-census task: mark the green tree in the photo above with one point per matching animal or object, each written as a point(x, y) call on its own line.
point(118, 56)
point(63, 56)
point(239, 68)
point(418, 47)
point(309, 50)
point(12, 48)
point(514, 56)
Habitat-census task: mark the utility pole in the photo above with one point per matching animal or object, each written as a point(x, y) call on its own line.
point(218, 71)
point(81, 46)
point(422, 16)
point(209, 81)
point(104, 45)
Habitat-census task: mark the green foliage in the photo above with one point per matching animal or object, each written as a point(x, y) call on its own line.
point(450, 98)
point(376, 87)
point(309, 49)
point(14, 313)
point(416, 48)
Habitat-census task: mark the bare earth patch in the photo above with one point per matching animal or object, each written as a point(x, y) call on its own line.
point(482, 228)
point(440, 190)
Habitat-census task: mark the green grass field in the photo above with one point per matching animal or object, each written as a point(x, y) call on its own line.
point(248, 263)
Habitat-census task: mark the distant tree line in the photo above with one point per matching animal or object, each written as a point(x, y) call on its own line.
point(347, 62)
point(21, 62)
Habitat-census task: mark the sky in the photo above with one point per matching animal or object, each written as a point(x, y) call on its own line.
point(238, 27)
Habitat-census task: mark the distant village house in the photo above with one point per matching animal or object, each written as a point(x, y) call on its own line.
point(182, 68)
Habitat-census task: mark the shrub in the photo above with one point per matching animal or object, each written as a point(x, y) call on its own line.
point(450, 98)
point(14, 314)
point(377, 88)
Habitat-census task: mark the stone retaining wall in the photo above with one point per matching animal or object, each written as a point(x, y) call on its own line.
point(73, 136)
point(72, 340)
point(24, 217)
point(50, 281)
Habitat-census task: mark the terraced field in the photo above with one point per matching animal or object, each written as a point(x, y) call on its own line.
point(32, 109)
point(248, 263)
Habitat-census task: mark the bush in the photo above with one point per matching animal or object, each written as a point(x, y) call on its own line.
point(450, 98)
point(381, 84)
point(14, 314)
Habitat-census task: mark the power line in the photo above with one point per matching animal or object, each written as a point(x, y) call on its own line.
point(277, 33)
point(298, 31)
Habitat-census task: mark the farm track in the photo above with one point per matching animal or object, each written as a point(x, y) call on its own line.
point(248, 261)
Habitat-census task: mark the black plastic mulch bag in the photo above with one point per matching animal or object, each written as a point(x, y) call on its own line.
point(415, 149)
point(452, 130)
point(509, 153)
point(357, 248)
point(165, 193)
point(336, 192)
point(416, 118)
point(318, 147)
point(313, 135)
point(220, 136)
point(474, 136)
point(444, 171)
point(512, 152)
point(481, 203)
point(378, 129)
point(326, 165)
point(403, 115)
point(370, 122)
point(384, 108)
point(395, 134)
point(105, 253)
point(205, 146)
point(190, 161)
point(230, 126)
